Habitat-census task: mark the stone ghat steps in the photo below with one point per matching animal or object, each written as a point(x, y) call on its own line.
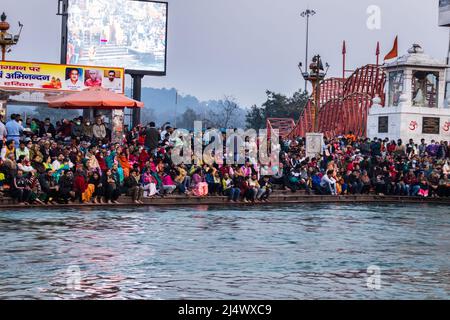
point(279, 199)
point(106, 50)
point(111, 59)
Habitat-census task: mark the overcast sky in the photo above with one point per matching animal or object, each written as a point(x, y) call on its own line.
point(243, 47)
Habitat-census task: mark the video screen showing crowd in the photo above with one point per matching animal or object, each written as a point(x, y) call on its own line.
point(126, 33)
point(444, 13)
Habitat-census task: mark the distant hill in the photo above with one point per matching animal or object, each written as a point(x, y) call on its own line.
point(162, 105)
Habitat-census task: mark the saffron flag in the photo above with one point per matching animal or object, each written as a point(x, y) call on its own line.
point(394, 52)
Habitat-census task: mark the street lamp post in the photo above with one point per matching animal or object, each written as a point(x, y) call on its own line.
point(7, 40)
point(307, 13)
point(316, 75)
point(176, 107)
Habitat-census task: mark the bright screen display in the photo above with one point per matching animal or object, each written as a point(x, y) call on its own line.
point(129, 34)
point(444, 13)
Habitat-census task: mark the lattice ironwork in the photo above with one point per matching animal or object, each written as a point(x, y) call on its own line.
point(283, 125)
point(344, 105)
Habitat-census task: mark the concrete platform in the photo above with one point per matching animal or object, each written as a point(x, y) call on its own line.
point(279, 197)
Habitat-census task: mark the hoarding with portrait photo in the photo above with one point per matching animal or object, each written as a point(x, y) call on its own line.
point(59, 77)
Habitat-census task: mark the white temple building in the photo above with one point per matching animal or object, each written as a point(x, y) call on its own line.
point(415, 105)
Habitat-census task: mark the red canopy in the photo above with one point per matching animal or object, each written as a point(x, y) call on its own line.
point(95, 97)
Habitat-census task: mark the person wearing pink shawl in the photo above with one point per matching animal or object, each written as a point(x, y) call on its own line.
point(199, 185)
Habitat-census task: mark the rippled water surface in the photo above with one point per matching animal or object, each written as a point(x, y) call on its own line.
point(292, 252)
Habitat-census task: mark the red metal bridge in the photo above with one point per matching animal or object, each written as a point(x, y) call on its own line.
point(343, 107)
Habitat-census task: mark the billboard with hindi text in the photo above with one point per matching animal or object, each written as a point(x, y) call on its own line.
point(57, 77)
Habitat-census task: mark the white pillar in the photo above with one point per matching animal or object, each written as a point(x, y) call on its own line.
point(117, 123)
point(447, 78)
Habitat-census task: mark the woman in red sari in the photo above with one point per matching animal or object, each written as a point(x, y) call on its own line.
point(143, 158)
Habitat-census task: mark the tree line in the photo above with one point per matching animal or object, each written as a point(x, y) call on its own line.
point(228, 114)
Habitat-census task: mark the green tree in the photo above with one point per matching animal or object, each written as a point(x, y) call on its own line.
point(255, 118)
point(277, 105)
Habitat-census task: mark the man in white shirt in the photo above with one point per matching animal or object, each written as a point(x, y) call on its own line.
point(26, 166)
point(22, 150)
point(58, 163)
point(74, 83)
point(328, 184)
point(113, 83)
point(168, 130)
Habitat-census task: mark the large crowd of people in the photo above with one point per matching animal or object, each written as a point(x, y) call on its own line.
point(75, 161)
point(352, 165)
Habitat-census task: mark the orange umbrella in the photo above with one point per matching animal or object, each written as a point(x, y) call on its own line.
point(95, 97)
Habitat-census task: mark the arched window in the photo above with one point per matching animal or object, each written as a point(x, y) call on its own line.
point(425, 86)
point(396, 87)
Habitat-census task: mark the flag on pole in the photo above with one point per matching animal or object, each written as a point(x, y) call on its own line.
point(344, 48)
point(394, 52)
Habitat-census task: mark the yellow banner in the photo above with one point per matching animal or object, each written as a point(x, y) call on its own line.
point(58, 77)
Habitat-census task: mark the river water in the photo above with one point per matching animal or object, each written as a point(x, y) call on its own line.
point(280, 252)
